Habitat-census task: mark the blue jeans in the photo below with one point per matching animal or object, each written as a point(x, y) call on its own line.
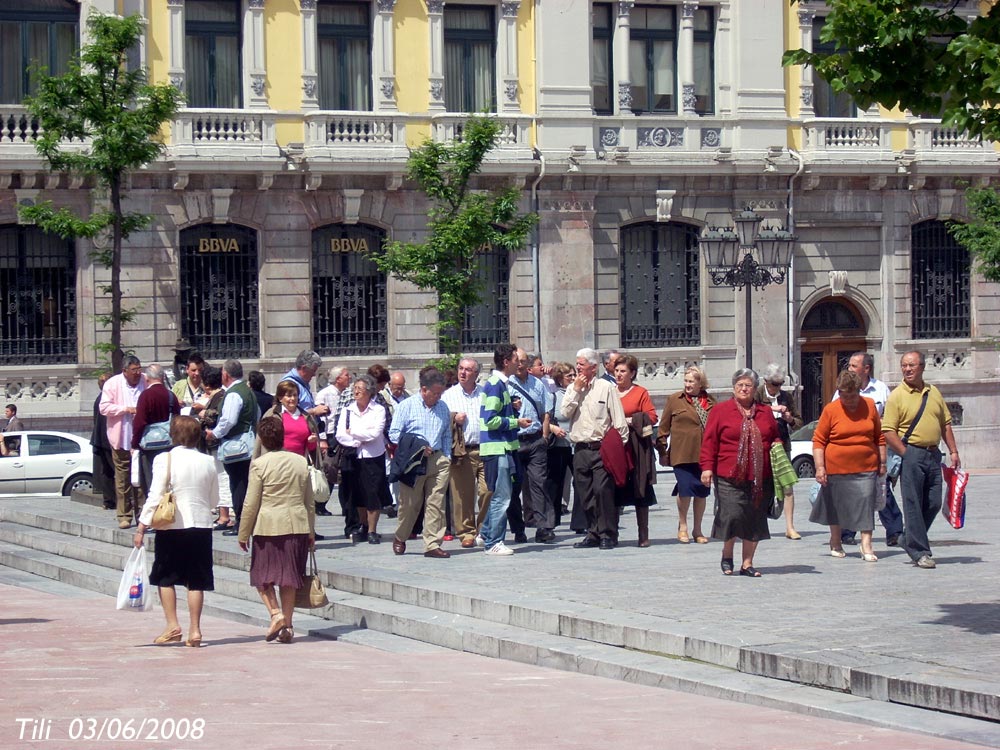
point(498, 470)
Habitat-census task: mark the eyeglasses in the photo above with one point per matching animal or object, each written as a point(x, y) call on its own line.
point(743, 386)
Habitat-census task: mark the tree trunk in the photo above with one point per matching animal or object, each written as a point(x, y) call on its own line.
point(117, 355)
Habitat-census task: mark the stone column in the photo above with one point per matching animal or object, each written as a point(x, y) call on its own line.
point(623, 100)
point(435, 19)
point(566, 293)
point(685, 56)
point(384, 58)
point(176, 72)
point(310, 74)
point(507, 53)
point(806, 16)
point(253, 56)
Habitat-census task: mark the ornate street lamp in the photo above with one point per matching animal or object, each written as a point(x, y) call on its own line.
point(749, 257)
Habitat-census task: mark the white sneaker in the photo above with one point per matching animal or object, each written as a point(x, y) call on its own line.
point(499, 549)
point(479, 540)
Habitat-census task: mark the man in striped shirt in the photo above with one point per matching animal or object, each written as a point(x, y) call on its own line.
point(497, 445)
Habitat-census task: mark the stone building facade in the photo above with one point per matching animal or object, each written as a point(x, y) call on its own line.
point(630, 127)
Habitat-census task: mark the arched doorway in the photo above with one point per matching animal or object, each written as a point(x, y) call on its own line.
point(832, 331)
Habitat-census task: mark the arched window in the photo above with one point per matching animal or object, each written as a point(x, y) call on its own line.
point(349, 292)
point(37, 297)
point(660, 286)
point(488, 323)
point(939, 269)
point(219, 310)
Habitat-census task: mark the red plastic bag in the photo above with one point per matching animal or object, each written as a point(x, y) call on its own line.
point(953, 507)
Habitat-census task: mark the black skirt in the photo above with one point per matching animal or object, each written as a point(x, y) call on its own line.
point(183, 557)
point(371, 487)
point(736, 515)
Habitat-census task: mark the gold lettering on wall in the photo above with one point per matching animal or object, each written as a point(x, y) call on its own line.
point(223, 245)
point(348, 245)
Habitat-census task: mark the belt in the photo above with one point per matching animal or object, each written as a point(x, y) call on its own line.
point(594, 446)
point(470, 447)
point(530, 438)
point(931, 449)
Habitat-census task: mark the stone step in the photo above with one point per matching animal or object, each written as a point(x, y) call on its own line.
point(857, 673)
point(382, 623)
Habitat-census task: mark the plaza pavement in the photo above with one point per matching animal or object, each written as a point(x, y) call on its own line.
point(886, 630)
point(70, 659)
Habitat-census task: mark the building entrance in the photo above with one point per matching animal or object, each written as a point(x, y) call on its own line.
point(831, 332)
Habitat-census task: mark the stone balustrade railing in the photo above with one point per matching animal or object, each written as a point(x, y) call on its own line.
point(349, 129)
point(845, 135)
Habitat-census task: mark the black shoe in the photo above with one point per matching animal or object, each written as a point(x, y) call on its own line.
point(322, 511)
point(318, 537)
point(358, 536)
point(545, 536)
point(390, 511)
point(852, 539)
point(892, 540)
point(231, 532)
point(589, 541)
point(374, 537)
point(521, 538)
point(606, 543)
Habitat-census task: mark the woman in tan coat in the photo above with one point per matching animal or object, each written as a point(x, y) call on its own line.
point(683, 422)
point(280, 514)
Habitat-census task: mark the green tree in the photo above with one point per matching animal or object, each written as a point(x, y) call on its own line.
point(103, 121)
point(981, 234)
point(462, 222)
point(926, 58)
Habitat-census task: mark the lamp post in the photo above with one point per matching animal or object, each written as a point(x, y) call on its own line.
point(747, 257)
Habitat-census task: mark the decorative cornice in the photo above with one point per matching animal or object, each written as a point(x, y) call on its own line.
point(435, 6)
point(510, 90)
point(806, 16)
point(255, 4)
point(175, 3)
point(307, 4)
point(624, 94)
point(625, 7)
point(688, 8)
point(386, 6)
point(437, 91)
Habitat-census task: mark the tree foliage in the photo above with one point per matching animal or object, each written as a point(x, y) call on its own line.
point(462, 223)
point(920, 56)
point(981, 235)
point(926, 58)
point(101, 120)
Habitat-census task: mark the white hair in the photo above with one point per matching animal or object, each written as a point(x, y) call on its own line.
point(774, 374)
point(590, 355)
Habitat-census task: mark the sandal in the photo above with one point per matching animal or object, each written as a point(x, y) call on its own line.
point(699, 539)
point(727, 566)
point(683, 538)
point(277, 625)
point(837, 553)
point(869, 557)
point(285, 635)
point(168, 636)
point(750, 572)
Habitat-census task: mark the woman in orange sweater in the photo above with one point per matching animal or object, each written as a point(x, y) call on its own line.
point(849, 452)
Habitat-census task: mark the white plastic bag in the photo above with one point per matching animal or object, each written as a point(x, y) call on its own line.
point(134, 470)
point(133, 591)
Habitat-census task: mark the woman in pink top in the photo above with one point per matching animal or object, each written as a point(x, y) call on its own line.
point(301, 430)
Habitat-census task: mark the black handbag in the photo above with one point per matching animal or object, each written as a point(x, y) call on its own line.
point(341, 460)
point(776, 508)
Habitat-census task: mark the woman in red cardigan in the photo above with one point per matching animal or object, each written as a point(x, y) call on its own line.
point(735, 452)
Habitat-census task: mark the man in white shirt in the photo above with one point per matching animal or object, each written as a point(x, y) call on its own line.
point(468, 477)
point(863, 364)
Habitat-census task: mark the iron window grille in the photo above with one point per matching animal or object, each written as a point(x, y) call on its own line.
point(37, 297)
point(219, 292)
point(349, 292)
point(488, 323)
point(42, 32)
point(939, 269)
point(660, 285)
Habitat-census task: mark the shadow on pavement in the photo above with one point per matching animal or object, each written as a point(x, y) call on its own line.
point(783, 570)
point(975, 617)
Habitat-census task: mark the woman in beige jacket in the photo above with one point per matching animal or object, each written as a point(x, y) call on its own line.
point(280, 514)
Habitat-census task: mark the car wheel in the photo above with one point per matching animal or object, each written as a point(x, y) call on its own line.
point(78, 483)
point(804, 467)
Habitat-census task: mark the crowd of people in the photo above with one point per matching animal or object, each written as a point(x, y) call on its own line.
point(468, 455)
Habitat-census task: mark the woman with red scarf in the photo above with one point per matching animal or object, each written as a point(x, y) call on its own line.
point(683, 423)
point(735, 452)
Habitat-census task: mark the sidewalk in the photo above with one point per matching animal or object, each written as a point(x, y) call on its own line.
point(70, 657)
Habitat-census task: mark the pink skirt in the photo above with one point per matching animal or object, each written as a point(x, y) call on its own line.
point(279, 560)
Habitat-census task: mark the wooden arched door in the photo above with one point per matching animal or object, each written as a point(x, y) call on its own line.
point(832, 331)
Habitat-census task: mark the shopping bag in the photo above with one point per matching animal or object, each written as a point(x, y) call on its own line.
point(953, 507)
point(881, 491)
point(133, 591)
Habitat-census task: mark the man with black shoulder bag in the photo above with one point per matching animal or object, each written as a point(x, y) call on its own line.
point(916, 420)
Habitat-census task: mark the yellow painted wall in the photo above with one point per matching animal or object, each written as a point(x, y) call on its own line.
point(793, 76)
point(158, 41)
point(411, 31)
point(526, 59)
point(283, 59)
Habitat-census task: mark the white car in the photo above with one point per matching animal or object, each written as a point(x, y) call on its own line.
point(43, 461)
point(802, 450)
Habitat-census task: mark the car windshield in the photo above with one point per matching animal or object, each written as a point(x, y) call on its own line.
point(805, 432)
